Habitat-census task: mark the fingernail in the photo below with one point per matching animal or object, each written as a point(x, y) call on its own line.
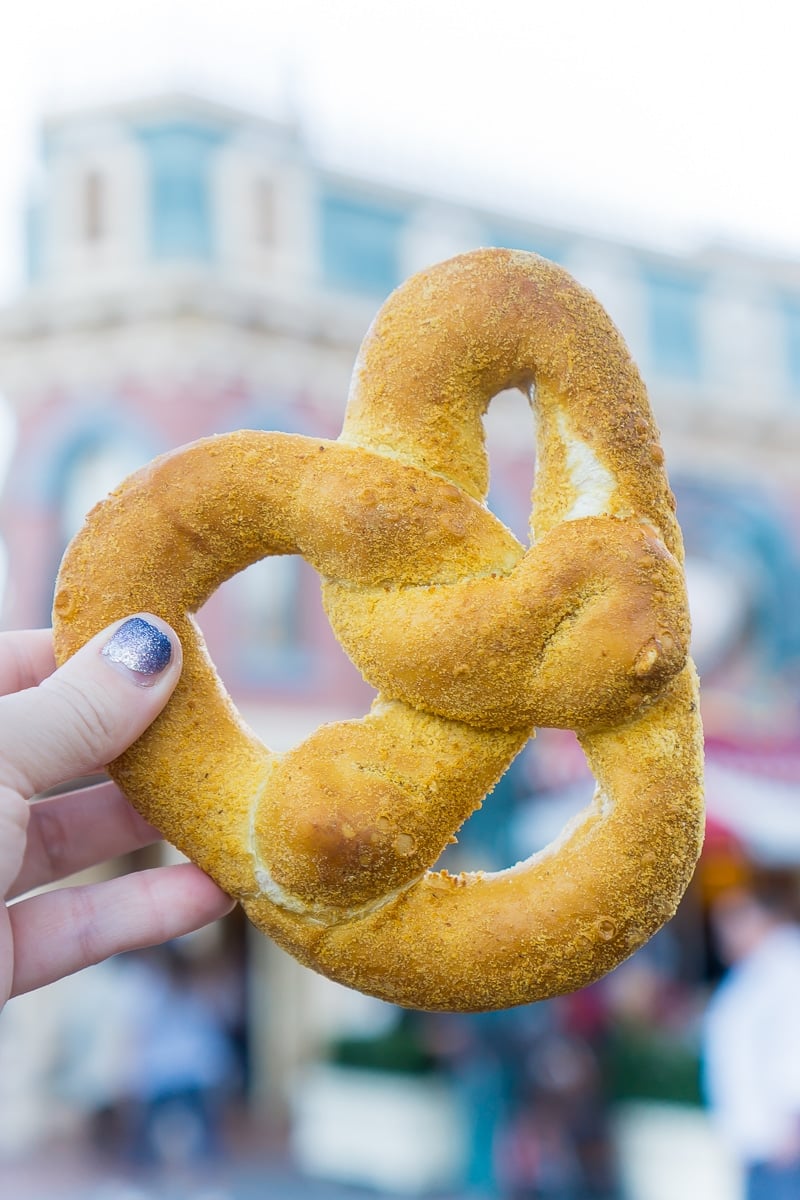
point(141, 648)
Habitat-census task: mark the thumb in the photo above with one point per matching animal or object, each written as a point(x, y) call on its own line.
point(90, 709)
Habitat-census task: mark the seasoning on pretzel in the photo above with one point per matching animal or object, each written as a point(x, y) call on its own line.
point(470, 639)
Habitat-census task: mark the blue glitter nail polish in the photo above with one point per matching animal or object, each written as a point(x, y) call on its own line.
point(140, 647)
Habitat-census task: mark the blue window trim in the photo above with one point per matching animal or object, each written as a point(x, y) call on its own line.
point(180, 156)
point(675, 335)
point(749, 528)
point(509, 238)
point(34, 242)
point(46, 465)
point(47, 473)
point(360, 242)
point(789, 305)
point(290, 665)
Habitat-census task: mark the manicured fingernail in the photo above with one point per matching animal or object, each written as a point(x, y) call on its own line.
point(141, 648)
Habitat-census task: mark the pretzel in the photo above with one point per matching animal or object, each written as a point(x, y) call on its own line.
point(470, 639)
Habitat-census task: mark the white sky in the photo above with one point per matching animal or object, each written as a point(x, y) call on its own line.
point(672, 122)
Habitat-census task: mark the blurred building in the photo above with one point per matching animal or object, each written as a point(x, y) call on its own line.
point(193, 269)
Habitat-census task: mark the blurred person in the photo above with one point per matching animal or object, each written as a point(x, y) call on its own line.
point(752, 1033)
point(480, 1055)
point(536, 1157)
point(182, 1066)
point(62, 724)
point(97, 1012)
point(557, 1145)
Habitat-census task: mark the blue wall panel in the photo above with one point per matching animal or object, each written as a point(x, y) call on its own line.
point(675, 335)
point(180, 158)
point(360, 241)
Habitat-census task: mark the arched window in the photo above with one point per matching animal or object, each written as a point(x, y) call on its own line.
point(267, 611)
point(93, 471)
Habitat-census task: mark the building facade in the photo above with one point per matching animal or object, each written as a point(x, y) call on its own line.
point(192, 269)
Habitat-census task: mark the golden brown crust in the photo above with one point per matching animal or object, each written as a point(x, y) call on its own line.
point(470, 639)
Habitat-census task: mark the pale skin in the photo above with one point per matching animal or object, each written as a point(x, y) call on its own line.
point(57, 725)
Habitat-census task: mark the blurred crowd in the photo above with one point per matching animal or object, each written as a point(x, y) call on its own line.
point(146, 1057)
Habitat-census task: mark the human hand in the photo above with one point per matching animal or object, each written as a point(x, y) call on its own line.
point(56, 725)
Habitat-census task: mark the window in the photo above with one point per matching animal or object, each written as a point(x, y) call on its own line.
point(181, 219)
point(267, 603)
point(34, 242)
point(93, 471)
point(790, 306)
point(360, 244)
point(266, 614)
point(510, 239)
point(673, 301)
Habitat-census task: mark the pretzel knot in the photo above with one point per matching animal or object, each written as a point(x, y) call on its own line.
point(470, 639)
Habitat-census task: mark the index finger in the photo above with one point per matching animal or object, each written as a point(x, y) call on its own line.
point(26, 658)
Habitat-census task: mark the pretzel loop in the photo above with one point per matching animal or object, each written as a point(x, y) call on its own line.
point(470, 640)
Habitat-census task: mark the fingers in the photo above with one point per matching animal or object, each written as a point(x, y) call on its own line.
point(25, 659)
point(76, 830)
point(92, 708)
point(59, 932)
point(14, 815)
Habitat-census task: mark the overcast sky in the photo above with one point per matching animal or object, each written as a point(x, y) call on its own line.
point(674, 123)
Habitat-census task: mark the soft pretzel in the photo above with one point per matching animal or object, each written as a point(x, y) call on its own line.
point(470, 639)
